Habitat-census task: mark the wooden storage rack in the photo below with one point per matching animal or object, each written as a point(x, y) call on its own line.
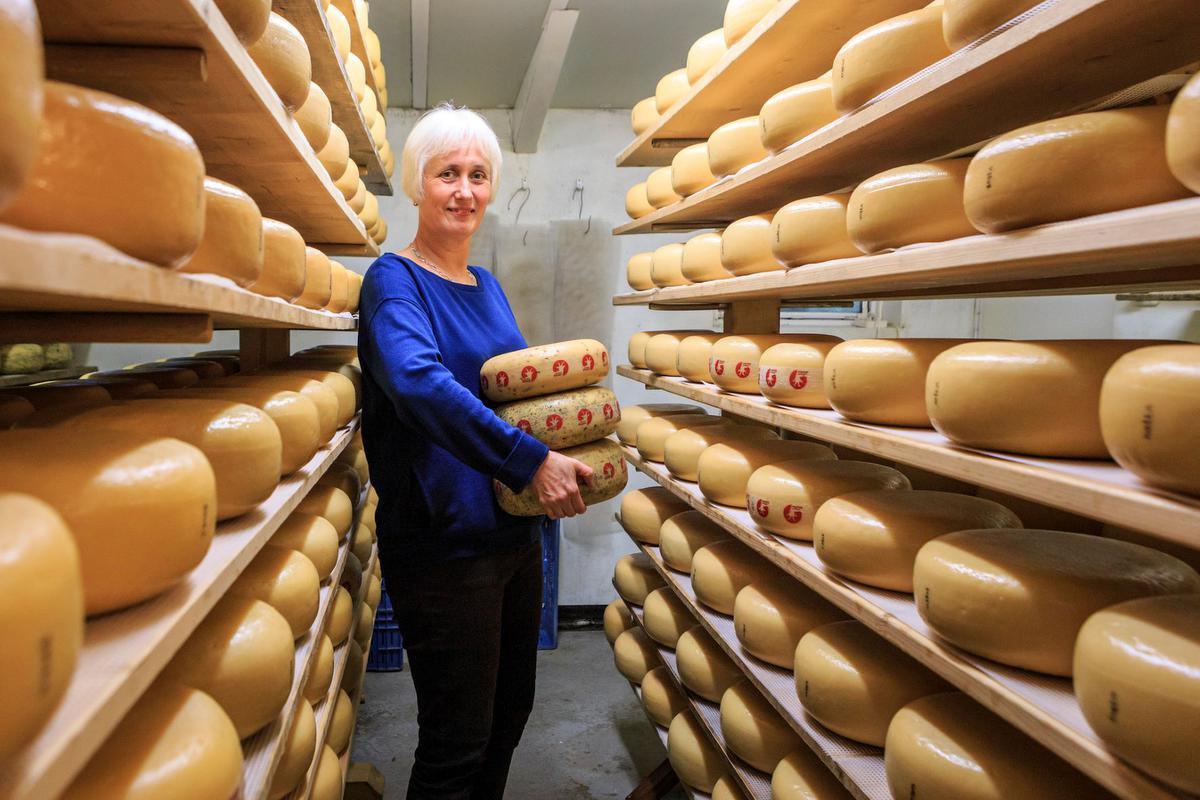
point(357, 46)
point(694, 794)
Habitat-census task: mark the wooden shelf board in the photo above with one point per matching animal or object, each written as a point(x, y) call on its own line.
point(1096, 489)
point(1152, 245)
point(30, 378)
point(246, 135)
point(358, 47)
point(694, 794)
point(1070, 53)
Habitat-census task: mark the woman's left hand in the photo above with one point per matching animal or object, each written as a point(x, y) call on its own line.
point(557, 485)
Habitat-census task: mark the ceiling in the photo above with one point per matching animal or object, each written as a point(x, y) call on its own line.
point(479, 49)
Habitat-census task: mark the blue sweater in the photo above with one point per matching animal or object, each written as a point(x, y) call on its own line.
point(433, 445)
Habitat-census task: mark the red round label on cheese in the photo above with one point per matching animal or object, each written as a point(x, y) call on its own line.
point(793, 514)
point(554, 422)
point(760, 506)
point(604, 357)
point(608, 411)
point(502, 378)
point(609, 470)
point(561, 367)
point(769, 376)
point(584, 416)
point(798, 379)
point(742, 369)
point(483, 381)
point(718, 366)
point(589, 363)
point(529, 374)
point(622, 463)
point(524, 425)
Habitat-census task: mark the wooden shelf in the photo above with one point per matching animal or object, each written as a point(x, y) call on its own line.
point(694, 794)
point(1153, 246)
point(216, 92)
point(1069, 54)
point(1042, 706)
point(358, 47)
point(1097, 489)
point(29, 378)
point(124, 651)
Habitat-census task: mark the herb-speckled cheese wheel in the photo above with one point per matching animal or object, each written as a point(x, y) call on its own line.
point(753, 730)
point(286, 580)
point(704, 53)
point(704, 668)
point(689, 170)
point(617, 620)
point(565, 419)
point(637, 204)
point(692, 358)
point(724, 470)
point(635, 654)
point(853, 682)
point(247, 18)
point(683, 535)
point(884, 54)
point(643, 116)
point(882, 380)
point(735, 145)
point(666, 617)
point(610, 475)
point(964, 21)
point(176, 742)
point(329, 782)
point(772, 614)
point(283, 57)
point(783, 498)
point(746, 246)
point(803, 776)
point(662, 352)
point(1051, 170)
point(793, 374)
point(702, 258)
point(722, 569)
point(20, 94)
point(733, 362)
point(313, 536)
point(233, 235)
point(661, 697)
point(909, 204)
point(293, 414)
point(315, 118)
point(652, 434)
point(635, 577)
point(1183, 141)
point(637, 272)
point(790, 115)
point(298, 750)
point(320, 675)
point(633, 416)
point(644, 511)
point(873, 536)
point(1037, 397)
point(681, 454)
point(1149, 405)
point(318, 279)
point(811, 230)
point(670, 89)
point(284, 270)
point(742, 15)
point(544, 369)
point(666, 266)
point(693, 757)
point(110, 168)
point(659, 189)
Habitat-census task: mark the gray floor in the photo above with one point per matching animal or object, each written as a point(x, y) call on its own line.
point(588, 737)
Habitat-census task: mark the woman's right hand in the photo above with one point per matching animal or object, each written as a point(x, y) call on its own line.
point(557, 485)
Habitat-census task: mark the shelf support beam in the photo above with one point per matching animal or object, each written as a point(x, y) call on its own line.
point(541, 79)
point(18, 326)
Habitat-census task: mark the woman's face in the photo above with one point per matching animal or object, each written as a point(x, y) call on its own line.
point(458, 188)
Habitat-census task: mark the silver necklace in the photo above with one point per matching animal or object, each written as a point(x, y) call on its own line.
point(416, 251)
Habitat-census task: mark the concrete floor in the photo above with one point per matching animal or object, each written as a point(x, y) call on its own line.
point(588, 736)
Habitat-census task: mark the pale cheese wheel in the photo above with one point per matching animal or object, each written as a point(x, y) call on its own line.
point(665, 617)
point(349, 182)
point(873, 536)
point(176, 742)
point(746, 246)
point(910, 204)
point(637, 204)
point(964, 21)
point(811, 230)
point(689, 170)
point(341, 617)
point(355, 285)
point(724, 470)
point(328, 782)
point(323, 398)
point(790, 115)
point(617, 620)
point(803, 776)
point(733, 362)
point(110, 168)
point(233, 235)
point(659, 189)
point(662, 351)
point(331, 503)
point(684, 535)
point(742, 15)
point(753, 730)
point(653, 433)
point(670, 89)
point(342, 723)
point(283, 57)
point(666, 266)
point(704, 54)
point(370, 212)
point(773, 612)
point(883, 55)
point(344, 381)
point(637, 346)
point(320, 675)
point(661, 697)
point(315, 117)
point(882, 380)
point(644, 115)
point(784, 497)
point(1183, 123)
point(635, 654)
point(544, 369)
point(335, 153)
point(339, 26)
point(247, 18)
point(681, 454)
point(853, 682)
point(702, 259)
point(298, 750)
point(704, 668)
point(14, 408)
point(609, 476)
point(357, 73)
point(286, 580)
point(364, 626)
point(692, 358)
point(318, 280)
point(726, 789)
point(385, 149)
point(362, 544)
point(1051, 171)
point(634, 416)
point(339, 281)
point(735, 145)
point(565, 419)
point(358, 200)
point(637, 272)
point(693, 758)
point(372, 46)
point(313, 536)
point(722, 569)
point(644, 511)
point(969, 397)
point(635, 577)
point(793, 374)
point(284, 270)
point(20, 94)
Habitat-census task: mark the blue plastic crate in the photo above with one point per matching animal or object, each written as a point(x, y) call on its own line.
point(387, 646)
point(548, 633)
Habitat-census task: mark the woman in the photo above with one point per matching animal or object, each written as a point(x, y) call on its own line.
point(463, 576)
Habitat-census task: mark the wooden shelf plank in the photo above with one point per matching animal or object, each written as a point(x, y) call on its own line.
point(30, 378)
point(1156, 245)
point(694, 794)
point(1070, 53)
point(246, 135)
point(1097, 489)
point(358, 47)
point(1042, 706)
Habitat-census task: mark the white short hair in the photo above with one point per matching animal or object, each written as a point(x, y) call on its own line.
point(444, 129)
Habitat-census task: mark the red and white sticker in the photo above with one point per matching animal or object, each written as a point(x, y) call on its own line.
point(483, 382)
point(529, 373)
point(561, 367)
point(798, 379)
point(584, 416)
point(609, 412)
point(502, 378)
point(589, 363)
point(554, 422)
point(609, 470)
point(793, 513)
point(524, 425)
point(717, 366)
point(760, 505)
point(604, 357)
point(743, 369)
point(768, 376)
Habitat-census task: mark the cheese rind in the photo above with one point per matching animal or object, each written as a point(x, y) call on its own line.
point(746, 246)
point(635, 577)
point(689, 170)
point(298, 750)
point(282, 55)
point(1182, 142)
point(692, 358)
point(653, 433)
point(318, 279)
point(790, 115)
point(884, 54)
point(704, 53)
point(286, 580)
point(882, 380)
point(617, 620)
point(666, 618)
point(315, 117)
point(320, 675)
point(644, 511)
point(703, 666)
point(702, 259)
point(643, 116)
point(793, 374)
point(565, 419)
point(341, 616)
point(683, 535)
point(339, 281)
point(341, 724)
point(284, 269)
point(909, 204)
point(734, 360)
point(609, 476)
point(357, 73)
point(660, 697)
point(328, 782)
point(726, 789)
point(335, 153)
point(735, 145)
point(21, 94)
point(248, 18)
point(670, 89)
point(659, 189)
point(635, 654)
point(313, 536)
point(811, 230)
point(741, 16)
point(681, 454)
point(634, 416)
point(333, 504)
point(666, 266)
point(693, 758)
point(544, 369)
point(773, 612)
point(662, 352)
point(723, 470)
point(802, 776)
point(637, 272)
point(964, 21)
point(722, 569)
point(233, 235)
point(323, 398)
point(753, 730)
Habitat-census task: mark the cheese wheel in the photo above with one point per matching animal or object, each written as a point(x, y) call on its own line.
point(964, 21)
point(722, 569)
point(358, 200)
point(909, 204)
point(882, 380)
point(379, 237)
point(544, 369)
point(792, 114)
point(610, 475)
point(67, 394)
point(644, 115)
point(773, 612)
point(339, 26)
point(666, 266)
point(969, 397)
point(853, 682)
point(342, 723)
point(328, 782)
point(617, 620)
point(681, 454)
point(20, 94)
point(110, 168)
point(635, 654)
point(704, 54)
point(1049, 171)
point(341, 617)
point(320, 675)
point(315, 118)
point(703, 666)
point(659, 189)
point(726, 789)
point(370, 213)
point(643, 512)
point(666, 618)
point(746, 246)
point(634, 416)
point(284, 269)
point(1183, 121)
point(802, 776)
point(735, 145)
point(16, 359)
point(362, 544)
point(701, 259)
point(725, 468)
point(331, 503)
point(323, 398)
point(742, 15)
point(811, 230)
point(637, 345)
point(637, 272)
point(683, 535)
point(385, 150)
point(357, 73)
point(335, 153)
point(948, 747)
point(693, 758)
point(163, 376)
point(565, 419)
point(372, 46)
point(14, 408)
point(313, 536)
point(340, 288)
point(352, 678)
point(873, 536)
point(355, 286)
point(344, 381)
point(318, 280)
point(348, 184)
point(140, 507)
point(662, 352)
point(653, 433)
point(635, 577)
point(233, 235)
point(374, 592)
point(753, 730)
point(784, 497)
point(692, 357)
point(670, 89)
point(298, 750)
point(286, 580)
point(974, 586)
point(364, 626)
point(661, 697)
point(175, 742)
point(637, 204)
point(247, 18)
point(1035, 515)
point(883, 55)
point(793, 374)
point(689, 170)
point(283, 57)
point(733, 362)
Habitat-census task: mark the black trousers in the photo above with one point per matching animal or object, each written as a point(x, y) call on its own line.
point(470, 627)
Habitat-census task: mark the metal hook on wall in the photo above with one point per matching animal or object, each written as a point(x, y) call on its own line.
point(579, 191)
point(523, 188)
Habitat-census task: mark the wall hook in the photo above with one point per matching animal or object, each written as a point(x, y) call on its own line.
point(527, 191)
point(579, 191)
point(524, 238)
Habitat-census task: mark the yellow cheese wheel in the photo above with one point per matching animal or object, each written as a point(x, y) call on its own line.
point(364, 626)
point(702, 259)
point(811, 230)
point(339, 26)
point(970, 399)
point(342, 723)
point(853, 682)
point(882, 380)
point(324, 399)
point(341, 617)
point(315, 118)
point(659, 190)
point(385, 149)
point(14, 408)
point(163, 376)
point(68, 394)
point(948, 747)
point(802, 776)
point(358, 200)
point(704, 668)
point(286, 580)
point(909, 204)
point(661, 697)
point(662, 351)
point(175, 742)
point(298, 750)
point(349, 182)
point(793, 374)
point(637, 345)
point(335, 153)
point(617, 620)
point(735, 145)
point(653, 433)
point(544, 369)
point(725, 468)
point(693, 758)
point(689, 170)
point(753, 730)
point(565, 419)
point(329, 781)
point(233, 235)
point(356, 662)
point(726, 789)
point(746, 246)
point(790, 115)
point(110, 168)
point(369, 106)
point(773, 612)
point(345, 381)
point(733, 362)
point(362, 544)
point(357, 73)
point(873, 536)
point(247, 18)
point(284, 271)
point(635, 654)
point(666, 617)
point(692, 358)
point(609, 476)
point(666, 266)
point(784, 497)
point(644, 115)
point(704, 54)
point(374, 592)
point(356, 282)
point(634, 416)
point(886, 53)
point(681, 454)
point(635, 577)
point(670, 89)
point(722, 569)
point(637, 204)
point(318, 280)
point(643, 512)
point(320, 675)
point(331, 503)
point(370, 212)
point(283, 57)
point(1034, 515)
point(637, 272)
point(340, 292)
point(964, 21)
point(379, 237)
point(313, 536)
point(1183, 122)
point(742, 15)
point(1050, 171)
point(20, 94)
